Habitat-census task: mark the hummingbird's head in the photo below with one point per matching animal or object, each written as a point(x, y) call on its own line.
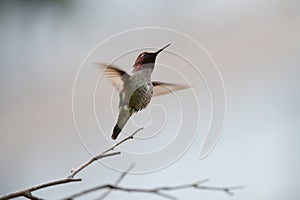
point(147, 59)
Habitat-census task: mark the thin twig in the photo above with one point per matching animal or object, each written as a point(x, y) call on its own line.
point(227, 190)
point(27, 192)
point(84, 165)
point(103, 154)
point(156, 191)
point(121, 177)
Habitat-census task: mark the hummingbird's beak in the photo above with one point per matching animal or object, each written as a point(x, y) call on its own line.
point(162, 49)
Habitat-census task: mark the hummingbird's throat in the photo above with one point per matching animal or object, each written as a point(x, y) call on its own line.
point(138, 64)
point(139, 67)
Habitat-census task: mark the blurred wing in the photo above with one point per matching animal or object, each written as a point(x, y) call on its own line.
point(116, 76)
point(160, 88)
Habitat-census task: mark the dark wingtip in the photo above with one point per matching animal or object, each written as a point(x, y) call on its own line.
point(117, 130)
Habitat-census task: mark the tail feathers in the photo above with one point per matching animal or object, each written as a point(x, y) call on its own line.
point(117, 130)
point(124, 115)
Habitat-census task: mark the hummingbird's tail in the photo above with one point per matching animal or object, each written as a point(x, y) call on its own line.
point(124, 114)
point(117, 130)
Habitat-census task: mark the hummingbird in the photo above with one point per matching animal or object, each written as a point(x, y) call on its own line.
point(136, 90)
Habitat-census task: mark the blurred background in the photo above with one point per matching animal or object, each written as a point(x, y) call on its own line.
point(254, 43)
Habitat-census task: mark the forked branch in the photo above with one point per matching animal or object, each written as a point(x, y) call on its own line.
point(159, 191)
point(103, 154)
point(27, 193)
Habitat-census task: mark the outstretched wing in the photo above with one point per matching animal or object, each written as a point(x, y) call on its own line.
point(116, 76)
point(160, 88)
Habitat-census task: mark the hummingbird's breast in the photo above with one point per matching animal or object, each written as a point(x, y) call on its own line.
point(141, 96)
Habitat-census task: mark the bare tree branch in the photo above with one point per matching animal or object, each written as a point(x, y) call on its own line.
point(30, 196)
point(27, 192)
point(160, 191)
point(121, 177)
point(84, 165)
point(103, 154)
